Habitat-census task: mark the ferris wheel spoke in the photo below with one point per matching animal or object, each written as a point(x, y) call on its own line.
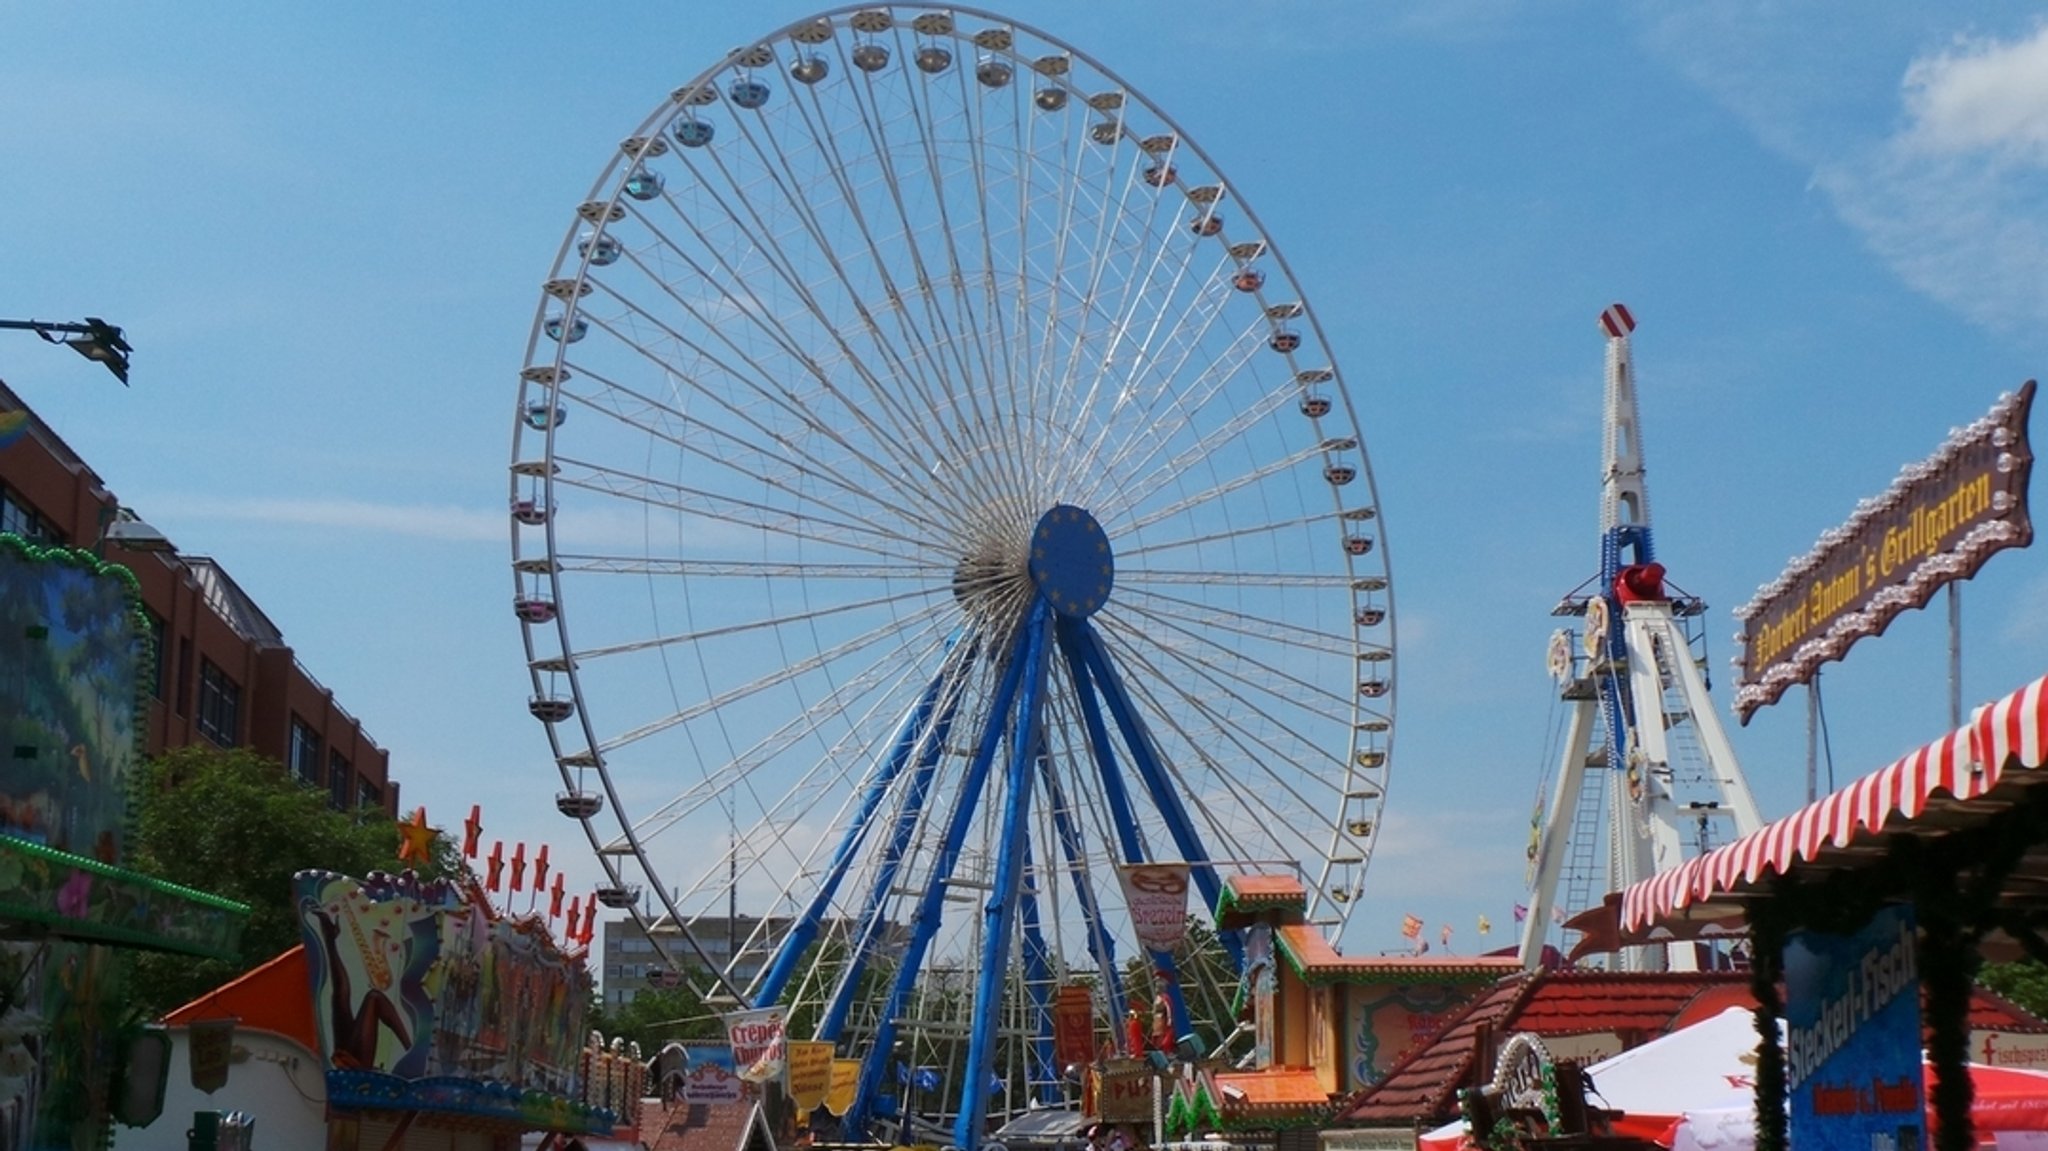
point(590, 654)
point(748, 569)
point(959, 274)
point(801, 667)
point(1255, 752)
point(1154, 382)
point(1264, 579)
point(802, 363)
point(1138, 452)
point(1149, 289)
point(1066, 394)
point(1349, 846)
point(1174, 470)
point(719, 507)
point(933, 400)
point(1256, 674)
point(1268, 528)
point(930, 346)
point(906, 428)
point(808, 791)
point(1222, 617)
point(1223, 487)
point(763, 392)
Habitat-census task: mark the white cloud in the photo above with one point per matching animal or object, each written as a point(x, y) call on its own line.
point(1982, 96)
point(433, 521)
point(1954, 199)
point(1943, 174)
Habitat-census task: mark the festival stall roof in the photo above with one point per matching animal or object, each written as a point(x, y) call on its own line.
point(684, 1126)
point(1424, 1086)
point(1942, 796)
point(270, 998)
point(1246, 897)
point(1709, 1068)
point(1045, 1127)
point(1317, 963)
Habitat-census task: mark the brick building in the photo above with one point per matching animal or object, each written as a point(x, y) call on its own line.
point(222, 672)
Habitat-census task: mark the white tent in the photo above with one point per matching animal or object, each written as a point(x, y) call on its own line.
point(1700, 1083)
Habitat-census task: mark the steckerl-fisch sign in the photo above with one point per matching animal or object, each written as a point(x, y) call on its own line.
point(1939, 521)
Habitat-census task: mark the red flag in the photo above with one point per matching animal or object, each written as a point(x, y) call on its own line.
point(575, 913)
point(519, 868)
point(472, 830)
point(540, 868)
point(555, 897)
point(495, 865)
point(589, 922)
point(1521, 913)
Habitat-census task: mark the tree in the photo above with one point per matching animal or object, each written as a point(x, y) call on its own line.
point(235, 824)
point(2024, 982)
point(657, 1015)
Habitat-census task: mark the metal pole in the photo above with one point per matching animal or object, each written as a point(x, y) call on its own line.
point(1955, 655)
point(1813, 738)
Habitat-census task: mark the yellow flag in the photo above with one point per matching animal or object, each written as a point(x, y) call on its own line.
point(810, 1074)
point(845, 1078)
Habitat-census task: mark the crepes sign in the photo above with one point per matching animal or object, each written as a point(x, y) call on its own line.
point(759, 1043)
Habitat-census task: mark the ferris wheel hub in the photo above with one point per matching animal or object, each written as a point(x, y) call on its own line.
point(1071, 562)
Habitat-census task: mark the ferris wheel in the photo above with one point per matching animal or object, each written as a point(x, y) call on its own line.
point(930, 491)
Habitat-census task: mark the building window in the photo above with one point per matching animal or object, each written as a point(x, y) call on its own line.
point(155, 653)
point(17, 517)
point(341, 782)
point(220, 704)
point(304, 752)
point(184, 702)
point(369, 795)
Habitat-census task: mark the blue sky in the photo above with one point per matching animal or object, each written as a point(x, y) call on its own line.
point(323, 230)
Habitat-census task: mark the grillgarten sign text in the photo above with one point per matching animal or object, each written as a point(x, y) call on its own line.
point(1938, 522)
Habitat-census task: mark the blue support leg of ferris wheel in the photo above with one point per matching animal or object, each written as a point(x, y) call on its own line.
point(1122, 814)
point(869, 923)
point(804, 931)
point(931, 905)
point(1001, 913)
point(1038, 977)
point(1164, 797)
point(1101, 944)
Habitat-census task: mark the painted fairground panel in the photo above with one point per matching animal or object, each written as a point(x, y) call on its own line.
point(426, 999)
point(69, 648)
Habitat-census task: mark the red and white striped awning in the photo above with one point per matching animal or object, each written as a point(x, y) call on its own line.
point(2004, 736)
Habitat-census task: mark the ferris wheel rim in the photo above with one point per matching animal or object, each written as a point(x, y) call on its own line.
point(611, 178)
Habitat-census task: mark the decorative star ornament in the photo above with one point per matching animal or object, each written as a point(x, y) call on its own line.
point(415, 838)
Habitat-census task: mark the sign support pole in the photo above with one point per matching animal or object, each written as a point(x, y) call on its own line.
point(1813, 738)
point(1955, 656)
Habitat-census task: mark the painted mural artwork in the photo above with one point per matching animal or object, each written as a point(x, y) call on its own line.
point(413, 979)
point(69, 648)
point(70, 644)
point(1385, 1029)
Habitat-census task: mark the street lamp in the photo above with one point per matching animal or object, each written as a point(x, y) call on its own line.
point(95, 339)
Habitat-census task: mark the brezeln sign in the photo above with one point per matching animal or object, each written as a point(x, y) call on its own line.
point(1938, 522)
